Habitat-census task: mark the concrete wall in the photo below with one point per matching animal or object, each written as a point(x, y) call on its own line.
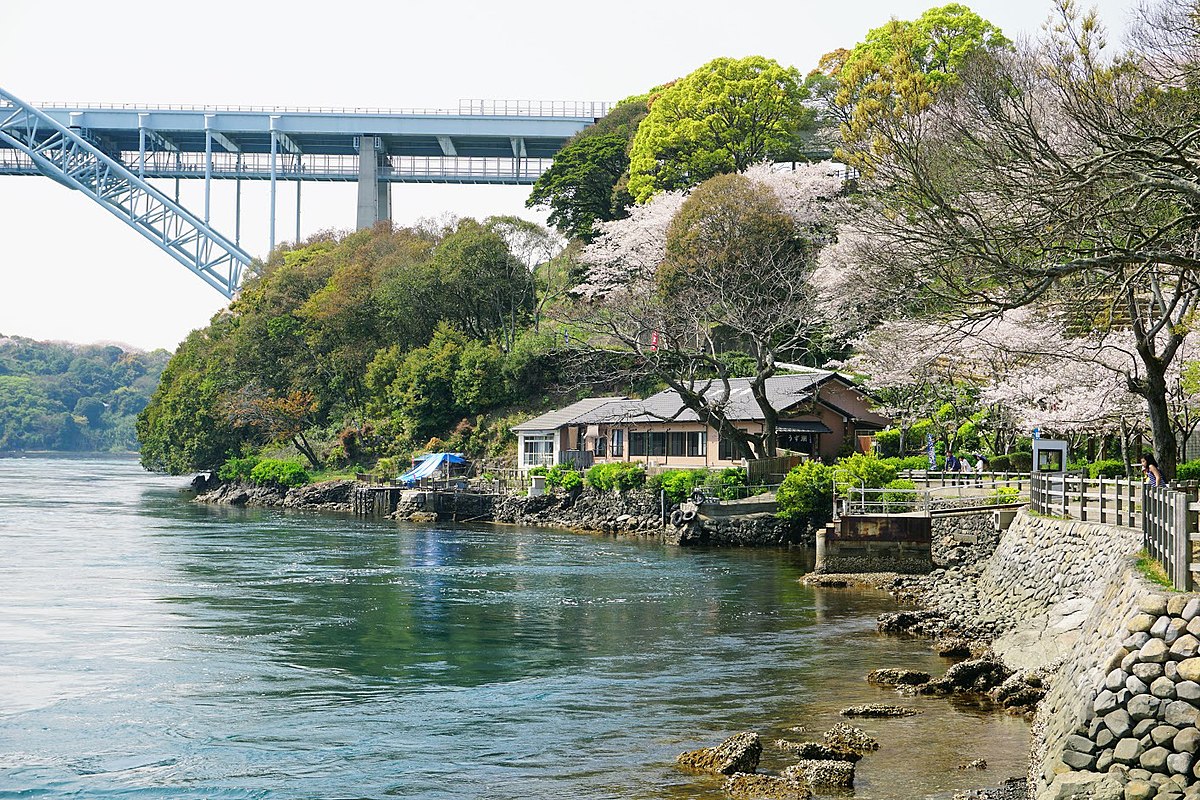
point(876, 544)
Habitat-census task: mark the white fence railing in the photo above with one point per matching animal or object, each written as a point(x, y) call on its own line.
point(933, 498)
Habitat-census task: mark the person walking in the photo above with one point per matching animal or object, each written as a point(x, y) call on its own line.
point(953, 467)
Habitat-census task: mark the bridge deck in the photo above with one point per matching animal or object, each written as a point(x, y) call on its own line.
point(479, 143)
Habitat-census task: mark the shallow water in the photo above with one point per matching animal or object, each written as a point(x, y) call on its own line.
point(154, 647)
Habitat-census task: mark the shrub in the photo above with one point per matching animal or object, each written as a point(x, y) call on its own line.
point(616, 476)
point(1020, 462)
point(907, 463)
point(539, 470)
point(725, 483)
point(679, 483)
point(388, 467)
point(901, 496)
point(276, 472)
point(563, 477)
point(999, 463)
point(1081, 465)
point(862, 470)
point(1188, 471)
point(238, 469)
point(807, 491)
point(1108, 468)
point(1004, 494)
point(887, 442)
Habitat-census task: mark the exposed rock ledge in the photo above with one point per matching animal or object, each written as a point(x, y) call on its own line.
point(326, 496)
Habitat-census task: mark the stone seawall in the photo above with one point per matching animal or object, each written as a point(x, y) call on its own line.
point(640, 512)
point(1062, 598)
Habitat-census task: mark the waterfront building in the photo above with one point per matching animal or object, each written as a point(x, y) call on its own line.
point(819, 413)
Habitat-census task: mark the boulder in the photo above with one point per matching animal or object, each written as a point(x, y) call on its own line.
point(1186, 741)
point(1118, 722)
point(822, 773)
point(1154, 651)
point(1147, 672)
point(1163, 688)
point(1141, 623)
point(1153, 604)
point(898, 677)
point(738, 753)
point(877, 710)
point(848, 737)
point(1128, 751)
point(1185, 646)
point(1189, 669)
point(744, 786)
point(1187, 690)
point(1163, 734)
point(1155, 759)
point(810, 751)
point(1191, 609)
point(1180, 763)
point(1180, 713)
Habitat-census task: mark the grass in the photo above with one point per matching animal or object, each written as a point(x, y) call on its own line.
point(1153, 571)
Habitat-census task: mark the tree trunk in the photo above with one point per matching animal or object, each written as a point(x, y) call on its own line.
point(1154, 390)
point(306, 450)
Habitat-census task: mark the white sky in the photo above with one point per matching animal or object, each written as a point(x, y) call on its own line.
point(69, 270)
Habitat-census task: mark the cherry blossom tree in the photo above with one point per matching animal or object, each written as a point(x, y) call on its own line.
point(687, 279)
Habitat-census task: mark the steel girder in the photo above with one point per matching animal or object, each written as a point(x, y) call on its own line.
point(66, 156)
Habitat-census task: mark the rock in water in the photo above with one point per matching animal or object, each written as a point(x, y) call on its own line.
point(849, 737)
point(898, 677)
point(978, 763)
point(815, 751)
point(738, 753)
point(878, 710)
point(766, 787)
point(835, 774)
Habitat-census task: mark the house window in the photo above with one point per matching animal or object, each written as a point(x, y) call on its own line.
point(727, 449)
point(618, 442)
point(637, 443)
point(601, 447)
point(697, 443)
point(676, 443)
point(658, 444)
point(538, 451)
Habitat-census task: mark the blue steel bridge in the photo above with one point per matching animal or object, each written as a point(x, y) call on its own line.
point(111, 152)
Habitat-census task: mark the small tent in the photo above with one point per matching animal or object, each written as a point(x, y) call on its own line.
point(430, 465)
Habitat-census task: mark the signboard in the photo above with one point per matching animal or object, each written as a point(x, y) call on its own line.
point(1049, 455)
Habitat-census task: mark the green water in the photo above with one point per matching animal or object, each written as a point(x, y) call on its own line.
point(152, 647)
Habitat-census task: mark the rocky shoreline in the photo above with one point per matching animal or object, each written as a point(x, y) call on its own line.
point(638, 513)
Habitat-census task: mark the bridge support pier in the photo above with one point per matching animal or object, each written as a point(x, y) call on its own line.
point(374, 195)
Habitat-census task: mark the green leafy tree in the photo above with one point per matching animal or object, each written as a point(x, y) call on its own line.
point(183, 428)
point(726, 116)
point(587, 182)
point(896, 70)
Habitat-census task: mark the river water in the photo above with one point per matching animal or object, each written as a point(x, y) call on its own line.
point(153, 647)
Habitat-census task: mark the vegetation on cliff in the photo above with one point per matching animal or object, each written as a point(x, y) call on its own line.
point(59, 396)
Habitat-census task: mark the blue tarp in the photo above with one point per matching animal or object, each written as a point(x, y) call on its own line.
point(429, 465)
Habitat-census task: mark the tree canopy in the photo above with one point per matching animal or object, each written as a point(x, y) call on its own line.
point(58, 396)
point(724, 117)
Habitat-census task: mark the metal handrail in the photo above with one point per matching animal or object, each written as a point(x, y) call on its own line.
point(466, 108)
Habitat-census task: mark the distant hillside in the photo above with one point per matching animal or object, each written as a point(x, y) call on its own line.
point(60, 396)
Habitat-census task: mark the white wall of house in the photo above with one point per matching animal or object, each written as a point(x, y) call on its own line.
point(537, 449)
